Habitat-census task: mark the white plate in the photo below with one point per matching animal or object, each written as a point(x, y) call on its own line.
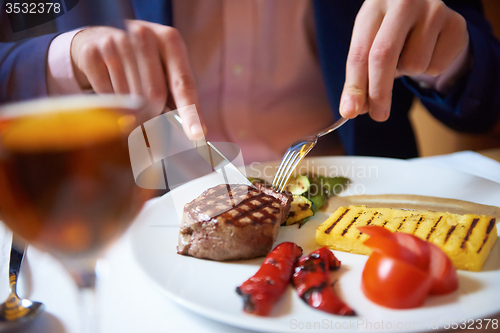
point(208, 287)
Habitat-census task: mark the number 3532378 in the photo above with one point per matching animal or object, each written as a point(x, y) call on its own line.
point(32, 7)
point(27, 14)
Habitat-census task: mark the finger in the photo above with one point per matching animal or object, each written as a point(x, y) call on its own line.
point(191, 121)
point(180, 79)
point(383, 60)
point(447, 48)
point(153, 79)
point(93, 66)
point(129, 61)
point(356, 84)
point(115, 68)
point(419, 46)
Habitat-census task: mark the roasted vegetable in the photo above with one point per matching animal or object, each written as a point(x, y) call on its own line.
point(262, 290)
point(449, 231)
point(317, 202)
point(327, 186)
point(312, 282)
point(300, 209)
point(298, 185)
point(314, 191)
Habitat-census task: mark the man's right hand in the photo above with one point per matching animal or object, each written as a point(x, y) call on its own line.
point(149, 60)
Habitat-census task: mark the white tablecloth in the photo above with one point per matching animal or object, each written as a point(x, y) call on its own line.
point(128, 301)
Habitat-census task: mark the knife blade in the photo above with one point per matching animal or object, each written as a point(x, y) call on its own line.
point(210, 153)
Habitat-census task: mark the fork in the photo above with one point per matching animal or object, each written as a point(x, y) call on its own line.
point(297, 151)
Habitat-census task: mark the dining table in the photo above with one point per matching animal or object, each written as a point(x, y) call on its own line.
point(128, 301)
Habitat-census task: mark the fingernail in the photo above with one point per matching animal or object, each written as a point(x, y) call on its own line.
point(196, 130)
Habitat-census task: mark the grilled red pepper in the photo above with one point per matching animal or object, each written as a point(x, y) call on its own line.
point(312, 282)
point(262, 290)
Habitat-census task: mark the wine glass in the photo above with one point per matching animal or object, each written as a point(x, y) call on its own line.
point(66, 180)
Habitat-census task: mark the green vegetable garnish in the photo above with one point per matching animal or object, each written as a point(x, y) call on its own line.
point(317, 202)
point(312, 189)
point(298, 185)
point(327, 186)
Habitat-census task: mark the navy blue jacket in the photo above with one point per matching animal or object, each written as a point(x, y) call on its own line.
point(473, 106)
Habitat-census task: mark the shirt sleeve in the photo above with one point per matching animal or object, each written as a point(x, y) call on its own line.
point(23, 68)
point(61, 78)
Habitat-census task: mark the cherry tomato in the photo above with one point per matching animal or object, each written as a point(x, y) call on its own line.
point(396, 245)
point(394, 283)
point(418, 247)
point(403, 269)
point(445, 279)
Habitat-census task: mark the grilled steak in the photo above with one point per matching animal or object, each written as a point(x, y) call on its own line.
point(225, 223)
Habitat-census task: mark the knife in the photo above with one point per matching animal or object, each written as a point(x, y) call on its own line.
point(210, 153)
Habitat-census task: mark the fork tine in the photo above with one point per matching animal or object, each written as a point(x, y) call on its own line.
point(296, 153)
point(281, 167)
point(288, 171)
point(300, 154)
point(285, 178)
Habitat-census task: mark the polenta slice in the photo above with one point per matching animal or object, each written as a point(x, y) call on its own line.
point(466, 239)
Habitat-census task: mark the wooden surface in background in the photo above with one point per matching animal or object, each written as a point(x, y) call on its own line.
point(492, 10)
point(433, 137)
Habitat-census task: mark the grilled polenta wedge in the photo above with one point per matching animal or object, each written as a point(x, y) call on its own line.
point(466, 239)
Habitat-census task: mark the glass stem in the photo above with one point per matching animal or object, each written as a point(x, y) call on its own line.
point(88, 301)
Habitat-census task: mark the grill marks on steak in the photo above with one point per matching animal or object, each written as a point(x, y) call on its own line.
point(229, 222)
point(284, 198)
point(238, 206)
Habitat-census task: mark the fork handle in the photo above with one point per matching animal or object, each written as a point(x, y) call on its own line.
point(333, 127)
point(16, 258)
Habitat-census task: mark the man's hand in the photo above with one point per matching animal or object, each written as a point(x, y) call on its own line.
point(393, 38)
point(150, 60)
